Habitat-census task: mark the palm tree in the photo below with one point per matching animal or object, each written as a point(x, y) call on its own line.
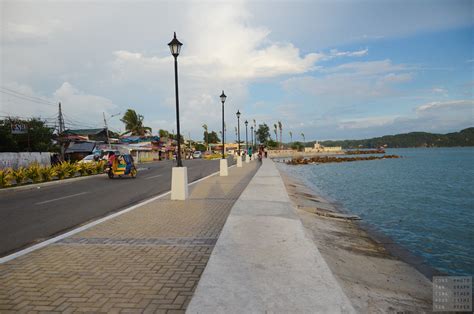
point(134, 123)
point(280, 126)
point(206, 134)
point(276, 132)
point(302, 135)
point(291, 137)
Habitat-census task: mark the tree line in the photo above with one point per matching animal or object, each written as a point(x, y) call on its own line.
point(414, 139)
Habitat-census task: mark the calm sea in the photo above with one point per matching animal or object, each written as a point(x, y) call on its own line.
point(423, 201)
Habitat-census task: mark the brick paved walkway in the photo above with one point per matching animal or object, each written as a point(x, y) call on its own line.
point(148, 260)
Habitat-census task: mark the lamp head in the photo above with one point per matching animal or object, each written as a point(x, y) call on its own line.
point(175, 46)
point(223, 97)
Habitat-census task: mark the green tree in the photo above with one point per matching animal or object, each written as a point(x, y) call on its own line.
point(263, 133)
point(212, 136)
point(163, 133)
point(297, 145)
point(206, 135)
point(291, 136)
point(272, 144)
point(38, 137)
point(200, 147)
point(134, 123)
point(275, 130)
point(280, 126)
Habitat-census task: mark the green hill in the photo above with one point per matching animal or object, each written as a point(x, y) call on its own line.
point(414, 139)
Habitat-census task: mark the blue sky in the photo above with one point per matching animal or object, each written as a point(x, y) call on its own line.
point(329, 69)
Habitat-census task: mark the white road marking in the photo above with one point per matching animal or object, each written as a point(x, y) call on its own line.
point(60, 198)
point(159, 175)
point(89, 225)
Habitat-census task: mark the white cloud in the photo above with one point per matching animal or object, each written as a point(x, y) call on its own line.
point(366, 123)
point(81, 110)
point(452, 105)
point(351, 81)
point(359, 53)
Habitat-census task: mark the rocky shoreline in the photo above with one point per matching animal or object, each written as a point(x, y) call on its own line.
point(373, 278)
point(330, 159)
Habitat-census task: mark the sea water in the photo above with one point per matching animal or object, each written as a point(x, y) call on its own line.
point(423, 201)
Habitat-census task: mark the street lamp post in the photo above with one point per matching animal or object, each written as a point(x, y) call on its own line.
point(246, 137)
point(223, 98)
point(246, 142)
point(175, 47)
point(238, 128)
point(223, 171)
point(251, 136)
point(179, 175)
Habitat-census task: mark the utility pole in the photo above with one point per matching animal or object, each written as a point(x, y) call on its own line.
point(61, 131)
point(106, 129)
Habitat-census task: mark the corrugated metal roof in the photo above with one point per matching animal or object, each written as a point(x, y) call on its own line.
point(83, 147)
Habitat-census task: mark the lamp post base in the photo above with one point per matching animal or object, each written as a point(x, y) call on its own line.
point(247, 158)
point(224, 172)
point(239, 161)
point(179, 183)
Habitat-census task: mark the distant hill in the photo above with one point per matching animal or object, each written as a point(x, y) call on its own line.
point(414, 139)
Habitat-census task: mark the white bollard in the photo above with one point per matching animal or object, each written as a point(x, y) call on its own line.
point(223, 171)
point(179, 183)
point(239, 161)
point(247, 159)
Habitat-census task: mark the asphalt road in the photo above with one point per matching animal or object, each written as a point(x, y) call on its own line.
point(33, 215)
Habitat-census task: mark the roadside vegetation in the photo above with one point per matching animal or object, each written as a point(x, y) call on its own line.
point(36, 173)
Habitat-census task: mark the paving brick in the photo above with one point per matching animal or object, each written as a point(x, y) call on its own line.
point(147, 260)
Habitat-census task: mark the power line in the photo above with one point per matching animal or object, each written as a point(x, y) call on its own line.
point(14, 93)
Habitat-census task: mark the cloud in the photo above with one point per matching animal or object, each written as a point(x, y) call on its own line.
point(81, 110)
point(366, 123)
point(359, 53)
point(351, 81)
point(455, 105)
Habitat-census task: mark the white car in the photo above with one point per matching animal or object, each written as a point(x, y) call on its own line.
point(197, 154)
point(87, 159)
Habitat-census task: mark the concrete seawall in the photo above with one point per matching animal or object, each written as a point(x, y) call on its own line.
point(264, 261)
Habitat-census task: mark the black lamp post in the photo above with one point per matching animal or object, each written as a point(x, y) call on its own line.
point(246, 138)
point(255, 133)
point(251, 136)
point(238, 128)
point(223, 98)
point(175, 48)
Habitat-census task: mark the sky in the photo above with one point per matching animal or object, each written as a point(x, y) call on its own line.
point(328, 69)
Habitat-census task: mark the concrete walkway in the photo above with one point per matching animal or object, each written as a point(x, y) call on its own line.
point(147, 260)
point(264, 262)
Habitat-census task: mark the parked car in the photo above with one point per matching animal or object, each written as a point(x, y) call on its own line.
point(197, 154)
point(88, 159)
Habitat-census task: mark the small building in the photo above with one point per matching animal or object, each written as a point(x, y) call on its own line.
point(318, 148)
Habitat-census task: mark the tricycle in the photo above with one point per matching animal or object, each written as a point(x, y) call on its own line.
point(121, 165)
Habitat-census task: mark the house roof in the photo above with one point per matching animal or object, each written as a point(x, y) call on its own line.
point(85, 131)
point(82, 147)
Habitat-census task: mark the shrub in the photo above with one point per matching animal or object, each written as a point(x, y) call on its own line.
point(83, 169)
point(63, 170)
point(100, 166)
point(19, 175)
point(5, 177)
point(47, 173)
point(33, 172)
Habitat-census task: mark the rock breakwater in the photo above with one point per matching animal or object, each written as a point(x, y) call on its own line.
point(328, 159)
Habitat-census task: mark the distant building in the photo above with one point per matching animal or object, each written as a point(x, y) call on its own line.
point(318, 148)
